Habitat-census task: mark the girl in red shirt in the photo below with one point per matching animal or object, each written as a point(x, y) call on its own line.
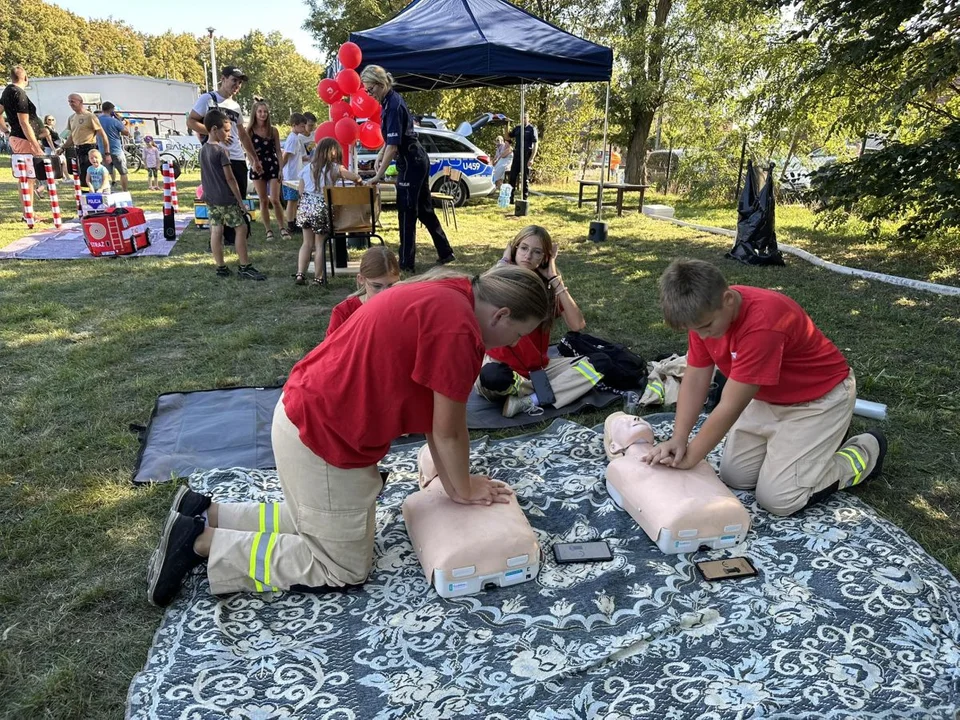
point(335, 421)
point(379, 271)
point(506, 371)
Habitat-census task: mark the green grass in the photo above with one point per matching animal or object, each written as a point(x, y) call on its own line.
point(850, 243)
point(86, 346)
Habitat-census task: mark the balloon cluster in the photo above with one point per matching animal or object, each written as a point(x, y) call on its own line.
point(348, 101)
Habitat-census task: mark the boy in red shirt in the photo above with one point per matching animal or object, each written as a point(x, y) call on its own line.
point(787, 402)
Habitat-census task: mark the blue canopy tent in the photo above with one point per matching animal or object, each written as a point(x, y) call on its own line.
point(441, 44)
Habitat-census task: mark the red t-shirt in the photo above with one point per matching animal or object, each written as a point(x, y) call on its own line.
point(773, 343)
point(365, 386)
point(530, 352)
point(342, 311)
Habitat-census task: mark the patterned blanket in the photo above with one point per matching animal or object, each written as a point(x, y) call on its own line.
point(849, 618)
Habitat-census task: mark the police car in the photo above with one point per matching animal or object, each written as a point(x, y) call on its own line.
point(445, 149)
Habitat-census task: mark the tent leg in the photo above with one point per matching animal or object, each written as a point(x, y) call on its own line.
point(603, 159)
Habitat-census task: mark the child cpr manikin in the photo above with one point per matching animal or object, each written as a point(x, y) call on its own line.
point(680, 510)
point(464, 549)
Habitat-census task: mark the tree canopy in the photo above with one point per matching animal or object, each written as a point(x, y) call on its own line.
point(50, 41)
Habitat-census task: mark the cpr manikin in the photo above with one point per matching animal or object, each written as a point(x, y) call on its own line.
point(466, 548)
point(680, 510)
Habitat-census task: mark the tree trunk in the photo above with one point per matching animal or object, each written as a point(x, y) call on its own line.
point(793, 148)
point(637, 154)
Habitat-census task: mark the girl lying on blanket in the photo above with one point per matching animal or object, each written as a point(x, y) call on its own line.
point(510, 373)
point(379, 271)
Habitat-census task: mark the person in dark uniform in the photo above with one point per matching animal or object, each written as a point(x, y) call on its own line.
point(413, 191)
point(530, 142)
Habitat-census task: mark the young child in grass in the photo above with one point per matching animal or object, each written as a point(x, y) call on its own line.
point(222, 194)
point(326, 169)
point(151, 160)
point(97, 179)
point(787, 402)
point(294, 154)
point(379, 271)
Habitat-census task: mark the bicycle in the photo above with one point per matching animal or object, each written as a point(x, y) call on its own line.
point(134, 155)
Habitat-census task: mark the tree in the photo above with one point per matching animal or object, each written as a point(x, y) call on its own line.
point(175, 57)
point(891, 68)
point(278, 73)
point(44, 41)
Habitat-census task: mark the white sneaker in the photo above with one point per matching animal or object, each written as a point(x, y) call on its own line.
point(515, 405)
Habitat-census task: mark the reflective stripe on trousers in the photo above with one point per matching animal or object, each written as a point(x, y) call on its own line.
point(263, 543)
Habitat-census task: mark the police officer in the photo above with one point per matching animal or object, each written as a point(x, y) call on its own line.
point(531, 142)
point(413, 191)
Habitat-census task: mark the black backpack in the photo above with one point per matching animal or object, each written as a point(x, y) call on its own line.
point(213, 104)
point(622, 368)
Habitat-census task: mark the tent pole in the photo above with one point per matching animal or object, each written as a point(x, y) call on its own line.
point(606, 116)
point(518, 191)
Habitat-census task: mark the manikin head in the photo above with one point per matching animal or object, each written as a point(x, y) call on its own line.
point(622, 431)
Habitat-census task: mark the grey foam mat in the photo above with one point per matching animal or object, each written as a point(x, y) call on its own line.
point(207, 429)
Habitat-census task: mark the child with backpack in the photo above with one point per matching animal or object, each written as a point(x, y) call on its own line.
point(326, 169)
point(522, 375)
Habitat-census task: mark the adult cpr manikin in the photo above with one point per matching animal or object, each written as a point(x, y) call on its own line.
point(466, 548)
point(680, 510)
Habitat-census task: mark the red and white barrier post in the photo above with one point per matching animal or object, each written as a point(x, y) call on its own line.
point(26, 193)
point(77, 192)
point(52, 191)
point(174, 202)
point(169, 223)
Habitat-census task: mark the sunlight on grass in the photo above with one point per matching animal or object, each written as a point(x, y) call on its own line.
point(923, 505)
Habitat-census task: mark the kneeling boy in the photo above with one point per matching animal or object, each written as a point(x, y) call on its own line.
point(787, 402)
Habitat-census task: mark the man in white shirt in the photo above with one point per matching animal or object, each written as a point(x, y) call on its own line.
point(294, 155)
point(238, 146)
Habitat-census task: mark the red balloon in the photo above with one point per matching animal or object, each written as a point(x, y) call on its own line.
point(363, 105)
point(345, 149)
point(329, 91)
point(325, 130)
point(347, 131)
point(370, 136)
point(376, 118)
point(349, 55)
point(340, 110)
point(349, 81)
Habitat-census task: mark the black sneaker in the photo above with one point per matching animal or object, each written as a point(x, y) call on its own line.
point(878, 467)
point(448, 259)
point(223, 271)
point(173, 558)
point(189, 503)
point(249, 272)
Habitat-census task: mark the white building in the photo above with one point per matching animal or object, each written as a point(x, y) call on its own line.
point(163, 105)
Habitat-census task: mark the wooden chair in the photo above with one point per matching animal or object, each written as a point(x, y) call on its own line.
point(451, 178)
point(352, 211)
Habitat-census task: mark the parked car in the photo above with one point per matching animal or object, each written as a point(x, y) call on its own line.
point(657, 162)
point(445, 149)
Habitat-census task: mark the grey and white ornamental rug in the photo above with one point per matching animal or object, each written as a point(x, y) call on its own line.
point(849, 618)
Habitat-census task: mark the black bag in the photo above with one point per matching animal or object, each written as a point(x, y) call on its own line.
point(756, 242)
point(621, 368)
point(213, 104)
point(41, 171)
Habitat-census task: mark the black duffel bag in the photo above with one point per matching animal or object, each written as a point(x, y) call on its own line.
point(622, 368)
